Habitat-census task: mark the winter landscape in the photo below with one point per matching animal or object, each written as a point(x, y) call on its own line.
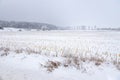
point(59, 39)
point(59, 55)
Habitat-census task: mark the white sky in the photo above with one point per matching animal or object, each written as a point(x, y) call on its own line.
point(104, 13)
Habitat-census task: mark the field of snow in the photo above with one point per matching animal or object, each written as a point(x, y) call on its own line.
point(59, 55)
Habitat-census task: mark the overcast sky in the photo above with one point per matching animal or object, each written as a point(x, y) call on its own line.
point(63, 12)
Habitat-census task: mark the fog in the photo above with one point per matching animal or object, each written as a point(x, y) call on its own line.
point(103, 13)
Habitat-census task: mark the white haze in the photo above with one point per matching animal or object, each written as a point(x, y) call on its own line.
point(103, 13)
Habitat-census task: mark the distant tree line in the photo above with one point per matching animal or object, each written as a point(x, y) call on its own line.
point(1, 28)
point(27, 25)
point(93, 28)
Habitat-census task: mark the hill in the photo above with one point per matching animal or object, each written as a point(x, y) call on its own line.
point(27, 25)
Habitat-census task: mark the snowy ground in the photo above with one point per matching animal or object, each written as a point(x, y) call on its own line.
point(27, 50)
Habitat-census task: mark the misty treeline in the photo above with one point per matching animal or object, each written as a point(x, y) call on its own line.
point(27, 25)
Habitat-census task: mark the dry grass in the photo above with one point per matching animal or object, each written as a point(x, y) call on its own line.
point(5, 51)
point(117, 64)
point(70, 60)
point(19, 51)
point(51, 65)
point(78, 63)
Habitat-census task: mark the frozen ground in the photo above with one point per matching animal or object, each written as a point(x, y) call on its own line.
point(24, 54)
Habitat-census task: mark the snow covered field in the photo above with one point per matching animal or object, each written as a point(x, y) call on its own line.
point(59, 55)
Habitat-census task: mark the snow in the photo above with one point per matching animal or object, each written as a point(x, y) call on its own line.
point(24, 66)
point(27, 67)
point(92, 42)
